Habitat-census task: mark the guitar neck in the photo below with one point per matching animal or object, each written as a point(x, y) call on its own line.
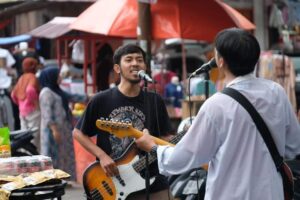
point(137, 134)
point(122, 129)
point(141, 163)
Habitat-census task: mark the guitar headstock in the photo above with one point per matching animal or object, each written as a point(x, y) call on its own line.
point(119, 129)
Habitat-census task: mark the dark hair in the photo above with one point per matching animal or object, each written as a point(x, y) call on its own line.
point(240, 50)
point(105, 52)
point(127, 49)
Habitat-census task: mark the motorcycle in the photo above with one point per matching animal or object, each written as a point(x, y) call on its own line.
point(21, 144)
point(191, 184)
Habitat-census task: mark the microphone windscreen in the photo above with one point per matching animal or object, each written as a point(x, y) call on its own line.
point(213, 63)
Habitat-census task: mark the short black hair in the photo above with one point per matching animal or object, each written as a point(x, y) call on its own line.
point(240, 50)
point(127, 49)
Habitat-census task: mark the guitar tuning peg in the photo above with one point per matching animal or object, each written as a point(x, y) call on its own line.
point(123, 125)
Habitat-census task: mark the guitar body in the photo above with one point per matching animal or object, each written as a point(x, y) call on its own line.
point(99, 186)
point(288, 182)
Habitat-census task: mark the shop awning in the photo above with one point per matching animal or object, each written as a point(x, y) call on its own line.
point(57, 27)
point(14, 39)
point(192, 19)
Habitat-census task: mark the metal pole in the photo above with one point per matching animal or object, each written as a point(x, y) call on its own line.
point(144, 38)
point(58, 53)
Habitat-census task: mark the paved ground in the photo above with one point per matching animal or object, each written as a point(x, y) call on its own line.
point(75, 192)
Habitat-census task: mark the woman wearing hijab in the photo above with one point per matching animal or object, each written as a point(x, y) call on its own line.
point(56, 121)
point(26, 95)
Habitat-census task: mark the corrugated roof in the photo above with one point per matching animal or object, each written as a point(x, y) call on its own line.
point(57, 27)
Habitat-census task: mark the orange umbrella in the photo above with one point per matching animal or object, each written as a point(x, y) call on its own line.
point(192, 19)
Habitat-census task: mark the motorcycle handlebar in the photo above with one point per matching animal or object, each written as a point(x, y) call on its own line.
point(17, 132)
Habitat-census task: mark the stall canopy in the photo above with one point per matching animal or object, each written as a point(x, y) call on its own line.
point(59, 30)
point(57, 27)
point(14, 39)
point(192, 19)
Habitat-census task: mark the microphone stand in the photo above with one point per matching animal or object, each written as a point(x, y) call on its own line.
point(206, 84)
point(147, 113)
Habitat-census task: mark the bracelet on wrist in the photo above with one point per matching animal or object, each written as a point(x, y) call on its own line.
point(153, 150)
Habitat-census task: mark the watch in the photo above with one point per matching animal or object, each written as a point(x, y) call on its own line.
point(153, 150)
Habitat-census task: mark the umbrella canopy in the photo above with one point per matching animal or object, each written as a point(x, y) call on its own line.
point(192, 19)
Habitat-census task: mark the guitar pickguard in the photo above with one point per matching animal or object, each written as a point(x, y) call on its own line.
point(132, 180)
point(99, 186)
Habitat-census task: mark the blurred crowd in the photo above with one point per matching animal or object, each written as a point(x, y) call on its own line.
point(31, 97)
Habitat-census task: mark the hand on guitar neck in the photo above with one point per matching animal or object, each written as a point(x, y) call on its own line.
point(124, 129)
point(146, 142)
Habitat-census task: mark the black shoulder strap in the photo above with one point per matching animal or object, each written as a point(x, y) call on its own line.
point(258, 120)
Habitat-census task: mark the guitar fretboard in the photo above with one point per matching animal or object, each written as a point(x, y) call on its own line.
point(141, 163)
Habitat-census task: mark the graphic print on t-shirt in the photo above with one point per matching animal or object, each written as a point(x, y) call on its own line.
point(126, 114)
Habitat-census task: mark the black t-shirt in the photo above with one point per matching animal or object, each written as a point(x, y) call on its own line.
point(112, 104)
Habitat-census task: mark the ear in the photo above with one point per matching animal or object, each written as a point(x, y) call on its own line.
point(222, 62)
point(117, 68)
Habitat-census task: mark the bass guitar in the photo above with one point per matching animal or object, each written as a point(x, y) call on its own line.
point(98, 185)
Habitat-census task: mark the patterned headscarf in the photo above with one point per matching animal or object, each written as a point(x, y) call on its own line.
point(49, 78)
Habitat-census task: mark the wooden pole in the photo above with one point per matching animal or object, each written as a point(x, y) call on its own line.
point(144, 30)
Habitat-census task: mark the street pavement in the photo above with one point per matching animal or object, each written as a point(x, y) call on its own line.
point(74, 191)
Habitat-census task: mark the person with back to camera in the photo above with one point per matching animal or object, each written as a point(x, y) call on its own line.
point(26, 95)
point(224, 135)
point(56, 121)
point(124, 103)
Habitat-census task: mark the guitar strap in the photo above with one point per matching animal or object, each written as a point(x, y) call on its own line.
point(265, 133)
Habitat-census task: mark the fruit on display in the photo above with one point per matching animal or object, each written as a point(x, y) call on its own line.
point(78, 109)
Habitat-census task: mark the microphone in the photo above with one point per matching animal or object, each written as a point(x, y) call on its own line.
point(142, 74)
point(205, 67)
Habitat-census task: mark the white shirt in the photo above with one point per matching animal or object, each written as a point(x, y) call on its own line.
point(9, 59)
point(224, 135)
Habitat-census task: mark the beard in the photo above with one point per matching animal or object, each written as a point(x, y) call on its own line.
point(132, 81)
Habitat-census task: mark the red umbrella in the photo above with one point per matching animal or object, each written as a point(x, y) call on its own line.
point(192, 19)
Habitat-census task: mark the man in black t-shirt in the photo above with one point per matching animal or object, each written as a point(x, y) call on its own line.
point(126, 102)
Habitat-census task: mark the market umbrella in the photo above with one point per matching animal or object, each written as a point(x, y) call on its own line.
point(192, 19)
point(186, 19)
